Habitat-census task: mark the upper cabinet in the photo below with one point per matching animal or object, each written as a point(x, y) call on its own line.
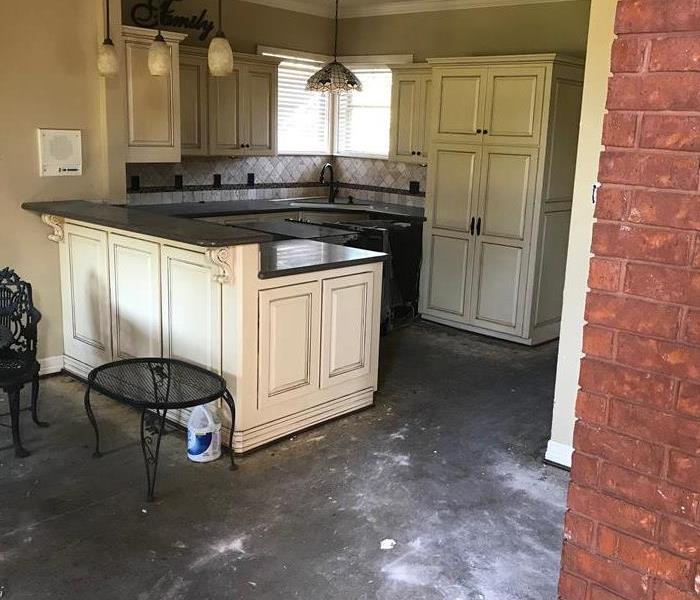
point(411, 99)
point(500, 104)
point(152, 103)
point(228, 116)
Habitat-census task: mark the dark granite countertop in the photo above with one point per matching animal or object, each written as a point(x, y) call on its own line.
point(291, 257)
point(188, 231)
point(291, 230)
point(243, 207)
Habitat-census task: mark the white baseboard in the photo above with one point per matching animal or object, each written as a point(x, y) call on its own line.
point(50, 365)
point(559, 454)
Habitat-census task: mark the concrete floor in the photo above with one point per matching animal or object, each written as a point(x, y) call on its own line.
point(448, 464)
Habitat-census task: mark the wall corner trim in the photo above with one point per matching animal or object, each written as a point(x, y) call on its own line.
point(559, 454)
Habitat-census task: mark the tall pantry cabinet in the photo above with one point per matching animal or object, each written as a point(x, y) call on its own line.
point(504, 134)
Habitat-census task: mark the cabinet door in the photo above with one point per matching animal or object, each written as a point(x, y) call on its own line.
point(346, 328)
point(194, 104)
point(191, 308)
point(507, 194)
point(458, 104)
point(85, 291)
point(424, 118)
point(260, 101)
point(405, 116)
point(514, 105)
point(134, 267)
point(288, 346)
point(153, 107)
point(225, 114)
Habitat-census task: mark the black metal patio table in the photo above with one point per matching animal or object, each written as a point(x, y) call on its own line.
point(154, 386)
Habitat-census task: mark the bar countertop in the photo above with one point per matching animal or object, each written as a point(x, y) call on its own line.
point(290, 257)
point(188, 231)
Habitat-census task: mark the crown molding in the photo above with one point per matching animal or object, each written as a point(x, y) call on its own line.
point(366, 8)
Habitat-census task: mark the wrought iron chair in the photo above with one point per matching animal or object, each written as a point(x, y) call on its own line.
point(18, 338)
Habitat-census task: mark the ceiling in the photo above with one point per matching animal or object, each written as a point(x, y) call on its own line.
point(367, 8)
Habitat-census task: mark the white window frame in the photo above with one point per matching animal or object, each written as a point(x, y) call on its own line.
point(352, 62)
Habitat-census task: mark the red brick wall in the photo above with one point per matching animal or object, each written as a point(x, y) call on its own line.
point(633, 525)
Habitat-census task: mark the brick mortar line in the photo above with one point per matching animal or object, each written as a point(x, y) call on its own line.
point(626, 294)
point(646, 226)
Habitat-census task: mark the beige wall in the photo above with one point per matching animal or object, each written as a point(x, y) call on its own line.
point(551, 27)
point(48, 79)
point(247, 25)
point(570, 344)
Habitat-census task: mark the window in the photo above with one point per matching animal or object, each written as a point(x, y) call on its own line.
point(303, 117)
point(363, 118)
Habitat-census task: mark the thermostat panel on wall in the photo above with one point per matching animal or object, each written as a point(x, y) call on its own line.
point(60, 152)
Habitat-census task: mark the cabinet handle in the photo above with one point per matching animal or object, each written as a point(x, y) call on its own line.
point(471, 227)
point(478, 130)
point(478, 227)
point(418, 153)
point(247, 145)
point(413, 153)
point(486, 131)
point(242, 145)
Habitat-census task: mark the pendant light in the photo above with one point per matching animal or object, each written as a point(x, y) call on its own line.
point(220, 55)
point(107, 60)
point(335, 77)
point(159, 53)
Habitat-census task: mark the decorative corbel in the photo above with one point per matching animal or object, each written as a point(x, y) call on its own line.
point(220, 258)
point(56, 223)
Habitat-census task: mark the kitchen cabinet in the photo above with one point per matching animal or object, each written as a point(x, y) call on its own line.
point(85, 289)
point(134, 275)
point(152, 103)
point(243, 109)
point(499, 192)
point(194, 101)
point(411, 100)
point(289, 330)
point(295, 350)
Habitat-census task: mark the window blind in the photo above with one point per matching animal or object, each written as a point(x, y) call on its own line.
point(364, 117)
point(303, 117)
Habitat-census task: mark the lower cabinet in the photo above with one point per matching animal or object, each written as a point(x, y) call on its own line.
point(134, 269)
point(191, 311)
point(85, 294)
point(313, 336)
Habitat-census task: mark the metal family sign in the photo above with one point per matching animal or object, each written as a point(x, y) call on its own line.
point(145, 14)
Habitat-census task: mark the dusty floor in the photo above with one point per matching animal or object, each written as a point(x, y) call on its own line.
point(448, 464)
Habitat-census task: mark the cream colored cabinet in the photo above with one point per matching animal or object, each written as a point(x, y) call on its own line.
point(346, 326)
point(243, 110)
point(194, 101)
point(87, 336)
point(191, 311)
point(410, 114)
point(152, 103)
point(134, 267)
point(289, 330)
point(498, 137)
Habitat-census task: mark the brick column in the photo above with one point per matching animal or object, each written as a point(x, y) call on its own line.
point(632, 530)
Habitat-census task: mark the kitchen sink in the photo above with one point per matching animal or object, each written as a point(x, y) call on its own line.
point(323, 203)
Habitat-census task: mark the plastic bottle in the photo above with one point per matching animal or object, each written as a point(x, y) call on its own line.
point(203, 434)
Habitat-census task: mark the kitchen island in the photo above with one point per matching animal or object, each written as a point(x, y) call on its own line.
point(292, 325)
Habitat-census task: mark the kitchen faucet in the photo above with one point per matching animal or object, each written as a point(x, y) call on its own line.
point(332, 188)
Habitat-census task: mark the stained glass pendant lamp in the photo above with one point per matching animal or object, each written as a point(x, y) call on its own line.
point(159, 54)
point(335, 77)
point(220, 55)
point(107, 60)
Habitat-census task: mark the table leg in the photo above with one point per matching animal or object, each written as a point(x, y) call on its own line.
point(150, 444)
point(232, 407)
point(91, 416)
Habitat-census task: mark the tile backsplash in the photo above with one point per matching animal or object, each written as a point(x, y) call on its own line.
point(275, 177)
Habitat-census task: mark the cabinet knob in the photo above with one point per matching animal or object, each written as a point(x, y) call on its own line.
point(413, 153)
point(247, 145)
point(242, 145)
point(478, 130)
point(418, 153)
point(486, 131)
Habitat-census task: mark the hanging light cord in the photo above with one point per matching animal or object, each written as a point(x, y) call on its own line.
point(221, 25)
point(107, 15)
point(335, 49)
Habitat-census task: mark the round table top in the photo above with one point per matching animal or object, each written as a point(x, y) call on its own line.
point(157, 383)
